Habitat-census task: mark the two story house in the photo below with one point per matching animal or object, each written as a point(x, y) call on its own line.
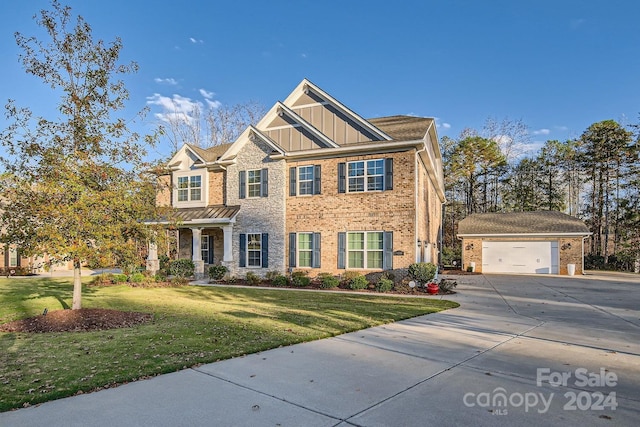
point(311, 186)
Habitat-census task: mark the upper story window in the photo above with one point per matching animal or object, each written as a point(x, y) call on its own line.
point(189, 190)
point(365, 175)
point(304, 180)
point(253, 183)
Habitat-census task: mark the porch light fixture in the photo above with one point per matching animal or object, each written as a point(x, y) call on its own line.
point(566, 246)
point(469, 247)
point(419, 243)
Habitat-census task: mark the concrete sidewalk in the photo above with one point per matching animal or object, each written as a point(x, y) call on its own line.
point(451, 368)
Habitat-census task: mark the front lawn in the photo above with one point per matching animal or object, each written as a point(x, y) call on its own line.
point(191, 325)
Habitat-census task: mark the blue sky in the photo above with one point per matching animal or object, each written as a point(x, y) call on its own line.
point(558, 66)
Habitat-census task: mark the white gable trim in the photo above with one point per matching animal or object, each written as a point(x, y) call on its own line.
point(307, 85)
point(250, 133)
point(181, 155)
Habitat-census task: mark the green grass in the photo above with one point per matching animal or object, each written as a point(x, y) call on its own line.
point(191, 325)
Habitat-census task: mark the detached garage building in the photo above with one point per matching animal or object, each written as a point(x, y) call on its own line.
point(542, 242)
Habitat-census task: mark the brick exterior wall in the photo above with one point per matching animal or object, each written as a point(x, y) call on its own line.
point(217, 187)
point(332, 212)
point(163, 190)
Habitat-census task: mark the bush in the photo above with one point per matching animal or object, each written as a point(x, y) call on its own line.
point(252, 278)
point(280, 280)
point(348, 276)
point(182, 268)
point(272, 275)
point(384, 285)
point(137, 278)
point(358, 282)
point(217, 272)
point(120, 278)
point(422, 272)
point(300, 279)
point(447, 285)
point(328, 281)
point(102, 280)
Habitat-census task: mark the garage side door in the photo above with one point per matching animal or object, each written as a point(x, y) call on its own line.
point(520, 257)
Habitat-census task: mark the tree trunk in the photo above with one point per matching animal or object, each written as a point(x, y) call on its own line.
point(77, 286)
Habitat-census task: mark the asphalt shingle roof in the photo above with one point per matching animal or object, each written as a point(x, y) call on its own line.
point(402, 128)
point(210, 154)
point(521, 223)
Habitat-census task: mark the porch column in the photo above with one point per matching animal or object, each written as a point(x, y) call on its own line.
point(197, 252)
point(153, 265)
point(228, 243)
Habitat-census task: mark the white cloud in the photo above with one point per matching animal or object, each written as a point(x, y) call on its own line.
point(195, 41)
point(206, 94)
point(542, 132)
point(168, 81)
point(446, 125)
point(175, 108)
point(562, 128)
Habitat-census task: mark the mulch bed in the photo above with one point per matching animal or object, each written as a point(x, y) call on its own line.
point(82, 320)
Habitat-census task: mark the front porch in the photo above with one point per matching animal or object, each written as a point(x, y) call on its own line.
point(203, 235)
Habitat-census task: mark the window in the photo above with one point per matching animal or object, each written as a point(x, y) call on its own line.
point(304, 250)
point(365, 250)
point(254, 250)
point(253, 183)
point(189, 188)
point(13, 257)
point(204, 248)
point(365, 175)
point(304, 180)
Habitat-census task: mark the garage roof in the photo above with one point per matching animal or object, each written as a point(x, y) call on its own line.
point(539, 222)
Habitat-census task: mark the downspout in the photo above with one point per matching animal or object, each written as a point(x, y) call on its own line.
point(416, 237)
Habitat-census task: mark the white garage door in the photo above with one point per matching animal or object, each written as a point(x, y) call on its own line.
point(520, 257)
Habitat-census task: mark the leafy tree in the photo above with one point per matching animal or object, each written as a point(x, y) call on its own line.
point(605, 155)
point(70, 188)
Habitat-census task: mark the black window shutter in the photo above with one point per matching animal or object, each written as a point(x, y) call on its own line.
point(342, 179)
point(265, 250)
point(387, 260)
point(242, 184)
point(6, 256)
point(292, 250)
point(315, 255)
point(317, 182)
point(210, 249)
point(243, 250)
point(342, 250)
point(292, 181)
point(17, 257)
point(388, 174)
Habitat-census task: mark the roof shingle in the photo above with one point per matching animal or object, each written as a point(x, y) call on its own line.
point(542, 222)
point(403, 128)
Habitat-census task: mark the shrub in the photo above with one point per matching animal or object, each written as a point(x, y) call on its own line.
point(328, 281)
point(422, 272)
point(102, 280)
point(217, 272)
point(348, 276)
point(272, 275)
point(447, 285)
point(252, 278)
point(120, 278)
point(137, 278)
point(182, 268)
point(300, 278)
point(358, 282)
point(384, 285)
point(280, 280)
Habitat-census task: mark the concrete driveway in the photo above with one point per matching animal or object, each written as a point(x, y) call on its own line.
point(521, 350)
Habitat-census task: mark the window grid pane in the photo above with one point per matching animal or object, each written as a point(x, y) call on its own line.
point(366, 176)
point(305, 179)
point(254, 250)
point(365, 250)
point(204, 248)
point(253, 183)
